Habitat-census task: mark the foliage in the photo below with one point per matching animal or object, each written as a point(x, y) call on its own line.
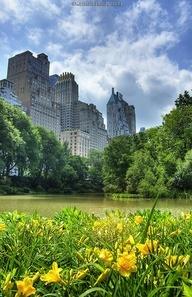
point(155, 162)
point(183, 100)
point(183, 175)
point(76, 254)
point(41, 161)
point(117, 158)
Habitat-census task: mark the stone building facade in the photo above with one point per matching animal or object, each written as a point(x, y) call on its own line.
point(121, 118)
point(8, 94)
point(30, 76)
point(92, 122)
point(78, 141)
point(66, 93)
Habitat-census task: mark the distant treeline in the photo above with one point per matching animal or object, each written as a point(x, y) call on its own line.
point(157, 162)
point(41, 162)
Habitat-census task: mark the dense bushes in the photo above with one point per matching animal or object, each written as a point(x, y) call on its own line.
point(157, 162)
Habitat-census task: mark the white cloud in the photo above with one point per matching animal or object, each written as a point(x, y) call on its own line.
point(184, 13)
point(145, 16)
point(35, 35)
point(19, 11)
point(77, 26)
point(132, 56)
point(137, 67)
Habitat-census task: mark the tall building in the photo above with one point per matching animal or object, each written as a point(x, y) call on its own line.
point(66, 92)
point(120, 116)
point(30, 76)
point(7, 93)
point(92, 122)
point(78, 141)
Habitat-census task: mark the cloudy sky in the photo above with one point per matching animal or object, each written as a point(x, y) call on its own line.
point(143, 48)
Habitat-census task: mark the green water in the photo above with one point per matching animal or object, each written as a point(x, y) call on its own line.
point(47, 205)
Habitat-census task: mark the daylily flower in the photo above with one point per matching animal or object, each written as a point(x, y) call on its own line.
point(7, 284)
point(53, 275)
point(81, 274)
point(148, 247)
point(2, 226)
point(103, 276)
point(126, 264)
point(138, 220)
point(25, 287)
point(105, 255)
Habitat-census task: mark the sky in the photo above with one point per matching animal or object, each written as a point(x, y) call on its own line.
point(142, 48)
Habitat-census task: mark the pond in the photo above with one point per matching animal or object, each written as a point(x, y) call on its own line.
point(48, 205)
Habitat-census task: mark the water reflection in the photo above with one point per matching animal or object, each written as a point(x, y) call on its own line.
point(48, 205)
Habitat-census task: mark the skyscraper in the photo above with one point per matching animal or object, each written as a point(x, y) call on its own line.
point(30, 76)
point(66, 92)
point(7, 93)
point(92, 122)
point(120, 116)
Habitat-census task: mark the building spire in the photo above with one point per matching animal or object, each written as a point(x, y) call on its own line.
point(112, 91)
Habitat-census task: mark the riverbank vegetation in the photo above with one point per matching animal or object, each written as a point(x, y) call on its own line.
point(33, 159)
point(76, 254)
point(157, 162)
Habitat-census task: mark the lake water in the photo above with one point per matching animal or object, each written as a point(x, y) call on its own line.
point(48, 205)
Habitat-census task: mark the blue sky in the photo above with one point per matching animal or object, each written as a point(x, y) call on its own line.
point(142, 48)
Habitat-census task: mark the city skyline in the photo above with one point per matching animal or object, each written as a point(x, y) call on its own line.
point(53, 102)
point(142, 48)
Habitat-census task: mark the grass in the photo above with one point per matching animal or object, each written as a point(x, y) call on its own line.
point(77, 254)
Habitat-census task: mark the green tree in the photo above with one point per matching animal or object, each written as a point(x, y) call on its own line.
point(178, 127)
point(141, 163)
point(117, 159)
point(183, 100)
point(95, 169)
point(51, 155)
point(183, 176)
point(10, 143)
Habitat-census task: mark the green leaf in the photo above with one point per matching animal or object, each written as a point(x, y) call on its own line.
point(92, 290)
point(187, 291)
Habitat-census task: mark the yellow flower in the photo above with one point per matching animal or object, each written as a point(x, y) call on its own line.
point(81, 274)
point(126, 264)
point(130, 240)
point(186, 216)
point(120, 227)
point(83, 239)
point(7, 284)
point(2, 226)
point(25, 287)
point(103, 276)
point(175, 233)
point(105, 255)
point(53, 275)
point(97, 225)
point(138, 220)
point(148, 247)
point(173, 260)
point(150, 230)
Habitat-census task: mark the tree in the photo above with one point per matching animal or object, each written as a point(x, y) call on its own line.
point(51, 155)
point(183, 176)
point(10, 143)
point(183, 100)
point(117, 159)
point(178, 127)
point(141, 163)
point(95, 169)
